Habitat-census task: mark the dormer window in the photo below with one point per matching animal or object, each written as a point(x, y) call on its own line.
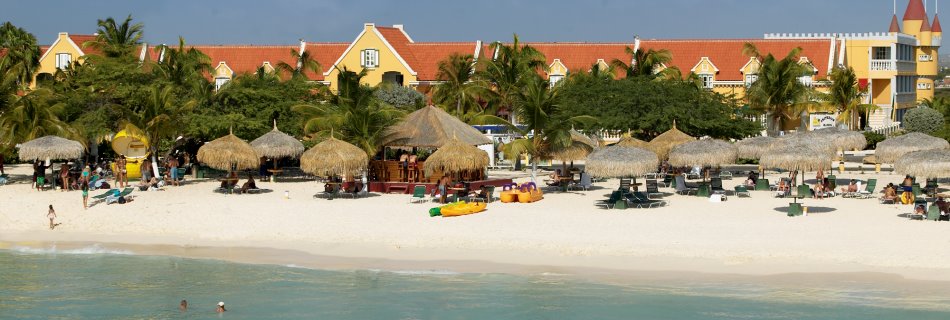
point(555, 78)
point(369, 58)
point(63, 60)
point(707, 80)
point(220, 82)
point(750, 79)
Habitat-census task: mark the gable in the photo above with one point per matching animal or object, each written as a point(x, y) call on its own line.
point(704, 66)
point(223, 71)
point(751, 67)
point(371, 38)
point(557, 68)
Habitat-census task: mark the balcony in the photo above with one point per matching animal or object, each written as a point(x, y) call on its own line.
point(883, 65)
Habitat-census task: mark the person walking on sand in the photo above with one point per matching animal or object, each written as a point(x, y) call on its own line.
point(51, 215)
point(120, 179)
point(220, 308)
point(85, 194)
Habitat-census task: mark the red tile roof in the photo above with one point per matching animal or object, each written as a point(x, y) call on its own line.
point(247, 58)
point(81, 39)
point(936, 25)
point(424, 58)
point(895, 26)
point(579, 56)
point(925, 26)
point(915, 11)
point(727, 56)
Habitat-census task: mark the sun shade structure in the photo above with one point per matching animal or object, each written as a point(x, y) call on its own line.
point(334, 157)
point(925, 164)
point(797, 156)
point(629, 141)
point(663, 143)
point(580, 147)
point(50, 147)
point(888, 151)
point(456, 156)
point(618, 162)
point(703, 153)
point(754, 147)
point(431, 127)
point(841, 140)
point(276, 144)
point(227, 151)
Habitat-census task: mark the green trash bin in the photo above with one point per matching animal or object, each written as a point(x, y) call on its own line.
point(201, 173)
point(762, 184)
point(703, 190)
point(794, 209)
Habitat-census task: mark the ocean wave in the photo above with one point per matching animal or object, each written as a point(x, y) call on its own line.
point(93, 249)
point(417, 272)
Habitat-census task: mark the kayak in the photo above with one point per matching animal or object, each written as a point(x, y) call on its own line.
point(460, 208)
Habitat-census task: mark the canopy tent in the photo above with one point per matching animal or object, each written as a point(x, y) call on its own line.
point(227, 153)
point(431, 127)
point(618, 162)
point(50, 147)
point(456, 156)
point(334, 158)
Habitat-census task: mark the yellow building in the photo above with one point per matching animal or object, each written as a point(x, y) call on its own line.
point(62, 53)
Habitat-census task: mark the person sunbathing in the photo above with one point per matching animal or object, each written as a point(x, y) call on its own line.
point(890, 193)
point(819, 190)
point(852, 187)
point(249, 184)
point(919, 210)
point(555, 180)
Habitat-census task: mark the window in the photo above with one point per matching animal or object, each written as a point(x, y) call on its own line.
point(63, 60)
point(369, 58)
point(220, 82)
point(925, 57)
point(707, 80)
point(555, 78)
point(881, 53)
point(905, 52)
point(905, 84)
point(750, 79)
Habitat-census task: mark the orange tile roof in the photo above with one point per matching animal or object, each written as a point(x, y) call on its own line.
point(81, 39)
point(915, 11)
point(247, 58)
point(424, 58)
point(580, 56)
point(895, 26)
point(727, 56)
point(936, 25)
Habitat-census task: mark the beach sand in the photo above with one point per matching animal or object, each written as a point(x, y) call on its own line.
point(563, 233)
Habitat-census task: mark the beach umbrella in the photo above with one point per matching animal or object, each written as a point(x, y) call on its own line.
point(754, 147)
point(228, 152)
point(50, 147)
point(334, 157)
point(456, 156)
point(797, 156)
point(580, 147)
point(840, 139)
point(925, 163)
point(618, 162)
point(431, 127)
point(276, 144)
point(891, 149)
point(663, 143)
point(629, 141)
point(703, 153)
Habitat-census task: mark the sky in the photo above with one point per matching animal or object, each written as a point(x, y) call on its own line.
point(286, 21)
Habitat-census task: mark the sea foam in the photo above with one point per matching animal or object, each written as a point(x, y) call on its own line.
point(93, 249)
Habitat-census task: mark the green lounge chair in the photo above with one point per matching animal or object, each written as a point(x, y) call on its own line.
point(703, 191)
point(115, 198)
point(742, 191)
point(832, 182)
point(762, 184)
point(868, 192)
point(105, 194)
point(641, 200)
point(804, 192)
point(933, 213)
point(653, 189)
point(610, 202)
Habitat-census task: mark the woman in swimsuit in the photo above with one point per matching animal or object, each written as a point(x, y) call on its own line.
point(51, 215)
point(120, 179)
point(64, 176)
point(85, 194)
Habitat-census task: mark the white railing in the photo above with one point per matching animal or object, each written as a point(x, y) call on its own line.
point(886, 129)
point(882, 65)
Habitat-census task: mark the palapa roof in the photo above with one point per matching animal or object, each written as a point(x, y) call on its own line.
point(335, 158)
point(456, 156)
point(50, 147)
point(839, 139)
point(276, 144)
point(617, 161)
point(227, 151)
point(663, 143)
point(703, 153)
point(925, 164)
point(431, 127)
point(580, 147)
point(754, 147)
point(799, 156)
point(889, 150)
point(629, 141)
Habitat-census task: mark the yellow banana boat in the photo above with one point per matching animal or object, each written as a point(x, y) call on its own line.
point(462, 208)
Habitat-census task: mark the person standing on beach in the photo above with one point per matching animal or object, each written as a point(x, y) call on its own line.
point(51, 215)
point(220, 308)
point(120, 172)
point(173, 170)
point(84, 186)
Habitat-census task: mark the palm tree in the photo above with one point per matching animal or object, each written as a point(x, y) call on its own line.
point(304, 63)
point(778, 91)
point(542, 129)
point(183, 65)
point(846, 97)
point(673, 73)
point(355, 115)
point(459, 86)
point(20, 54)
point(33, 116)
point(158, 117)
point(514, 65)
point(115, 39)
point(643, 63)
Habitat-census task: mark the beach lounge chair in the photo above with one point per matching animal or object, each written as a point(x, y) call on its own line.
point(667, 181)
point(868, 192)
point(725, 175)
point(915, 188)
point(716, 185)
point(933, 213)
point(742, 191)
point(105, 194)
point(584, 183)
point(832, 182)
point(115, 197)
point(641, 200)
point(762, 184)
point(418, 194)
point(489, 191)
point(681, 186)
point(611, 201)
point(653, 189)
point(625, 185)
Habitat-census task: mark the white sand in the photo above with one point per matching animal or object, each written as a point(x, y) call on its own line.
point(565, 230)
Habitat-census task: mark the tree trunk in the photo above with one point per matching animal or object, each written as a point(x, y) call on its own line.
point(534, 170)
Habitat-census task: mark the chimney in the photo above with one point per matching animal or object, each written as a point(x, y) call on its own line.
point(398, 26)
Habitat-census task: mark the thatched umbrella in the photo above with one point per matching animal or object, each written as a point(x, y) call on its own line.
point(334, 157)
point(580, 147)
point(889, 150)
point(276, 144)
point(797, 156)
point(431, 127)
point(629, 141)
point(663, 143)
point(618, 162)
point(754, 147)
point(50, 147)
point(925, 163)
point(456, 156)
point(713, 153)
point(228, 152)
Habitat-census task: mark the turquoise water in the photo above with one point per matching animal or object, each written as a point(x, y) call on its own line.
point(94, 283)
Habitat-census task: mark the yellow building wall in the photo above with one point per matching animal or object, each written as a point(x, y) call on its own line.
point(387, 61)
point(62, 45)
point(557, 68)
point(881, 91)
point(223, 71)
point(927, 93)
point(911, 27)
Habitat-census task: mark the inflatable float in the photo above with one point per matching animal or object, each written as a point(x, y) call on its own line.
point(135, 149)
point(460, 208)
point(526, 193)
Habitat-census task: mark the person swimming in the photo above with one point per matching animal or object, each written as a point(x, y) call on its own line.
point(220, 307)
point(183, 306)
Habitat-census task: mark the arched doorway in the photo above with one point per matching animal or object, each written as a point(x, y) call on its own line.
point(393, 77)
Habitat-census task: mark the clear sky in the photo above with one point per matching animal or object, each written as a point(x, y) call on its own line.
point(285, 21)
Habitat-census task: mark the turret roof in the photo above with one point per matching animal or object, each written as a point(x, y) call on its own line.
point(915, 11)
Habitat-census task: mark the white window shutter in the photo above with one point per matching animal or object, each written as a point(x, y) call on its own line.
point(363, 61)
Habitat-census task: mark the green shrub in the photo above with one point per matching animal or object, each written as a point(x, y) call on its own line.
point(873, 138)
point(923, 119)
point(400, 97)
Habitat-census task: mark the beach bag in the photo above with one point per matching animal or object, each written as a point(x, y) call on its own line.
point(121, 200)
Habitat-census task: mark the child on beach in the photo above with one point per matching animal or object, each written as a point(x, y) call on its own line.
point(51, 215)
point(85, 194)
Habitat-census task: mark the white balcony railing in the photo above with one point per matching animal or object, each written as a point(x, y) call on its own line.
point(883, 65)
